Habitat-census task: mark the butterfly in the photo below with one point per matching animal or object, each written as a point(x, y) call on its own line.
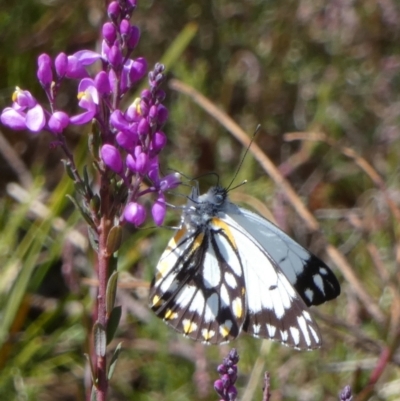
point(227, 270)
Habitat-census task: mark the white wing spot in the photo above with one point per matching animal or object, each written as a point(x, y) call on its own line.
point(271, 330)
point(318, 282)
point(315, 334)
point(304, 329)
point(224, 295)
point(207, 334)
point(256, 329)
point(323, 271)
point(307, 316)
point(284, 335)
point(225, 328)
point(230, 280)
point(294, 331)
point(309, 293)
point(212, 308)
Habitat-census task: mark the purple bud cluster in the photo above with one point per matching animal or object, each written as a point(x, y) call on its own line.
point(345, 394)
point(225, 385)
point(132, 139)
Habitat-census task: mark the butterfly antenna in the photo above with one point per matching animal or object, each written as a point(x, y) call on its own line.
point(241, 161)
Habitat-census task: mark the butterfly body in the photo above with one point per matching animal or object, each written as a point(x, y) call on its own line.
point(228, 270)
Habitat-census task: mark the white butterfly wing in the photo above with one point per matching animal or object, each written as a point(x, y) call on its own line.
point(311, 277)
point(274, 308)
point(198, 288)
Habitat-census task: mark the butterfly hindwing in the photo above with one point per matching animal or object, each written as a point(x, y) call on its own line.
point(196, 290)
point(274, 309)
point(311, 277)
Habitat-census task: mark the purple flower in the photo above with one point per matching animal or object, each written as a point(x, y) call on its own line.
point(44, 72)
point(88, 99)
point(58, 121)
point(159, 209)
point(225, 385)
point(135, 213)
point(112, 158)
point(25, 113)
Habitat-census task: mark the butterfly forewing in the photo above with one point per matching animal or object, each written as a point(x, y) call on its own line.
point(198, 288)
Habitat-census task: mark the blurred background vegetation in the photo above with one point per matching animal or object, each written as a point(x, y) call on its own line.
point(328, 71)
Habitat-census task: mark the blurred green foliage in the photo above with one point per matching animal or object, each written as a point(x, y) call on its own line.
point(292, 66)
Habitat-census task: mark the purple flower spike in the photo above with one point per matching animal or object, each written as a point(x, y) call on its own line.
point(44, 72)
point(112, 158)
point(135, 213)
point(225, 386)
point(346, 395)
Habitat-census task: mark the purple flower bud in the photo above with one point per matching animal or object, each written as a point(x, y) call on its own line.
point(118, 120)
point(61, 64)
point(115, 56)
point(138, 69)
point(144, 108)
point(170, 181)
point(113, 10)
point(44, 72)
point(221, 369)
point(146, 95)
point(154, 170)
point(134, 36)
point(124, 27)
point(153, 112)
point(112, 158)
point(219, 387)
point(158, 210)
point(102, 82)
point(232, 392)
point(126, 139)
point(58, 121)
point(131, 163)
point(141, 163)
point(160, 95)
point(162, 114)
point(143, 127)
point(158, 141)
point(135, 213)
point(345, 394)
point(109, 33)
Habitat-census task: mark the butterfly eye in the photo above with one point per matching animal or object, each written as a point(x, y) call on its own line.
point(219, 199)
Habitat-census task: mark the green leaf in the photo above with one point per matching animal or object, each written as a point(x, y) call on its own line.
point(113, 361)
point(114, 240)
point(83, 212)
point(113, 323)
point(111, 292)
